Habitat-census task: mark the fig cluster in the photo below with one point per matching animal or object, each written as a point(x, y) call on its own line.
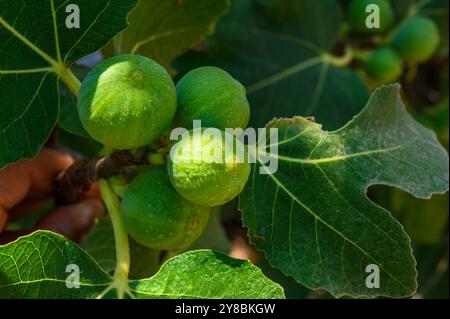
point(414, 40)
point(130, 102)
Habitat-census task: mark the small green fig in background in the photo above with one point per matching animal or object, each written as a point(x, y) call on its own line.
point(127, 102)
point(156, 216)
point(357, 16)
point(417, 39)
point(383, 65)
point(206, 182)
point(211, 95)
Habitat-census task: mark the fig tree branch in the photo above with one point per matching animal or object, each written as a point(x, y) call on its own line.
point(71, 185)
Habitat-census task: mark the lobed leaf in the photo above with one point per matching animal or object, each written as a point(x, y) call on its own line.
point(162, 30)
point(227, 278)
point(34, 266)
point(312, 218)
point(36, 46)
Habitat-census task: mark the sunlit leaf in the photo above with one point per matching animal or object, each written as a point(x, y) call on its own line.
point(312, 217)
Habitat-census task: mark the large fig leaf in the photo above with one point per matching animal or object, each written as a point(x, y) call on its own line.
point(162, 30)
point(312, 217)
point(36, 266)
point(281, 52)
point(36, 47)
point(207, 274)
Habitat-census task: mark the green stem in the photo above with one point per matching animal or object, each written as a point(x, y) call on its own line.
point(340, 61)
point(121, 239)
point(70, 80)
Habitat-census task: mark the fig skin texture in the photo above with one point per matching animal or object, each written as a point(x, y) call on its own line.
point(357, 16)
point(204, 182)
point(211, 95)
point(156, 216)
point(383, 65)
point(417, 39)
point(127, 101)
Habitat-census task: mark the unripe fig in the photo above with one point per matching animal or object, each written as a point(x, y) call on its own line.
point(156, 216)
point(357, 16)
point(207, 171)
point(211, 95)
point(383, 65)
point(127, 102)
point(417, 39)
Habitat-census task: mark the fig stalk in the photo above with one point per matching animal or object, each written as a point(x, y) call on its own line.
point(120, 279)
point(70, 80)
point(71, 185)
